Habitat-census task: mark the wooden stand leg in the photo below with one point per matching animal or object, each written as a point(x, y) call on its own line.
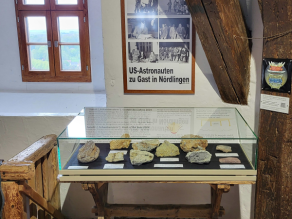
point(216, 196)
point(99, 193)
point(103, 210)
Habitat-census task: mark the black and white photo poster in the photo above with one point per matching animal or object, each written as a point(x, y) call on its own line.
point(158, 46)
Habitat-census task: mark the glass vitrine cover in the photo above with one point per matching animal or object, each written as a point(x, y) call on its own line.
point(183, 127)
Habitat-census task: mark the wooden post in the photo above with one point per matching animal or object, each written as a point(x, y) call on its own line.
point(39, 186)
point(32, 206)
point(13, 207)
point(53, 184)
point(216, 196)
point(45, 181)
point(217, 23)
point(99, 192)
point(274, 187)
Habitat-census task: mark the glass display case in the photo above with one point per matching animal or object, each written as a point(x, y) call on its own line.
point(158, 144)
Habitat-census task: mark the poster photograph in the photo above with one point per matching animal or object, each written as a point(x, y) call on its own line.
point(174, 52)
point(143, 52)
point(158, 45)
point(142, 7)
point(142, 28)
point(173, 7)
point(174, 28)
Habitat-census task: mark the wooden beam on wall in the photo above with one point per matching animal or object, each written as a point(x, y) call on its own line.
point(217, 22)
point(274, 187)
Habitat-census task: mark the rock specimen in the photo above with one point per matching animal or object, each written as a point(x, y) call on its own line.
point(146, 145)
point(115, 157)
point(229, 160)
point(167, 149)
point(199, 157)
point(88, 153)
point(139, 157)
point(122, 143)
point(188, 145)
point(223, 148)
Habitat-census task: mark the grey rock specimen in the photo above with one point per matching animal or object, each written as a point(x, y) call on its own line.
point(139, 157)
point(88, 153)
point(167, 149)
point(121, 143)
point(146, 145)
point(223, 148)
point(188, 145)
point(199, 157)
point(229, 160)
point(115, 157)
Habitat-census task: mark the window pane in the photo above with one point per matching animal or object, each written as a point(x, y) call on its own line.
point(66, 2)
point(36, 28)
point(70, 58)
point(38, 58)
point(69, 29)
point(34, 2)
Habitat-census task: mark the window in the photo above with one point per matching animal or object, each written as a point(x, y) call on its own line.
point(53, 40)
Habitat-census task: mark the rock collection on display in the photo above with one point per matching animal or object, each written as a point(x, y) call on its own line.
point(139, 157)
point(188, 145)
point(146, 145)
point(224, 148)
point(199, 157)
point(229, 160)
point(167, 149)
point(115, 157)
point(140, 154)
point(88, 153)
point(121, 143)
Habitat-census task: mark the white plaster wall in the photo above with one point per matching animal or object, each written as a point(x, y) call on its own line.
point(10, 72)
point(17, 133)
point(239, 202)
point(48, 104)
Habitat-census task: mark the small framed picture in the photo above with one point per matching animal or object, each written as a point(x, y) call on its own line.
point(276, 75)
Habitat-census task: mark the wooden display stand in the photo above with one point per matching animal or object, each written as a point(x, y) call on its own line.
point(99, 192)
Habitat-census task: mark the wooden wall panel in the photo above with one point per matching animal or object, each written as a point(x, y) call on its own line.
point(274, 188)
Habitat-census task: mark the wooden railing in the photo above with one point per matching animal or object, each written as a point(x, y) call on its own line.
point(29, 182)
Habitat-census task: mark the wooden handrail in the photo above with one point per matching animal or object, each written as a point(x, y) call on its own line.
point(33, 195)
point(22, 166)
point(32, 173)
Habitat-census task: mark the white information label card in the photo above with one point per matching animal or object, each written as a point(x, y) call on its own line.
point(116, 151)
point(226, 154)
point(169, 159)
point(168, 165)
point(113, 166)
point(232, 166)
point(275, 103)
point(77, 167)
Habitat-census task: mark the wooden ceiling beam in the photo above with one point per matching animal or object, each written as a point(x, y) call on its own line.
point(217, 23)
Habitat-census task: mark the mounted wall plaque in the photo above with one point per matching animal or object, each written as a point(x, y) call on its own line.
point(276, 75)
point(158, 39)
